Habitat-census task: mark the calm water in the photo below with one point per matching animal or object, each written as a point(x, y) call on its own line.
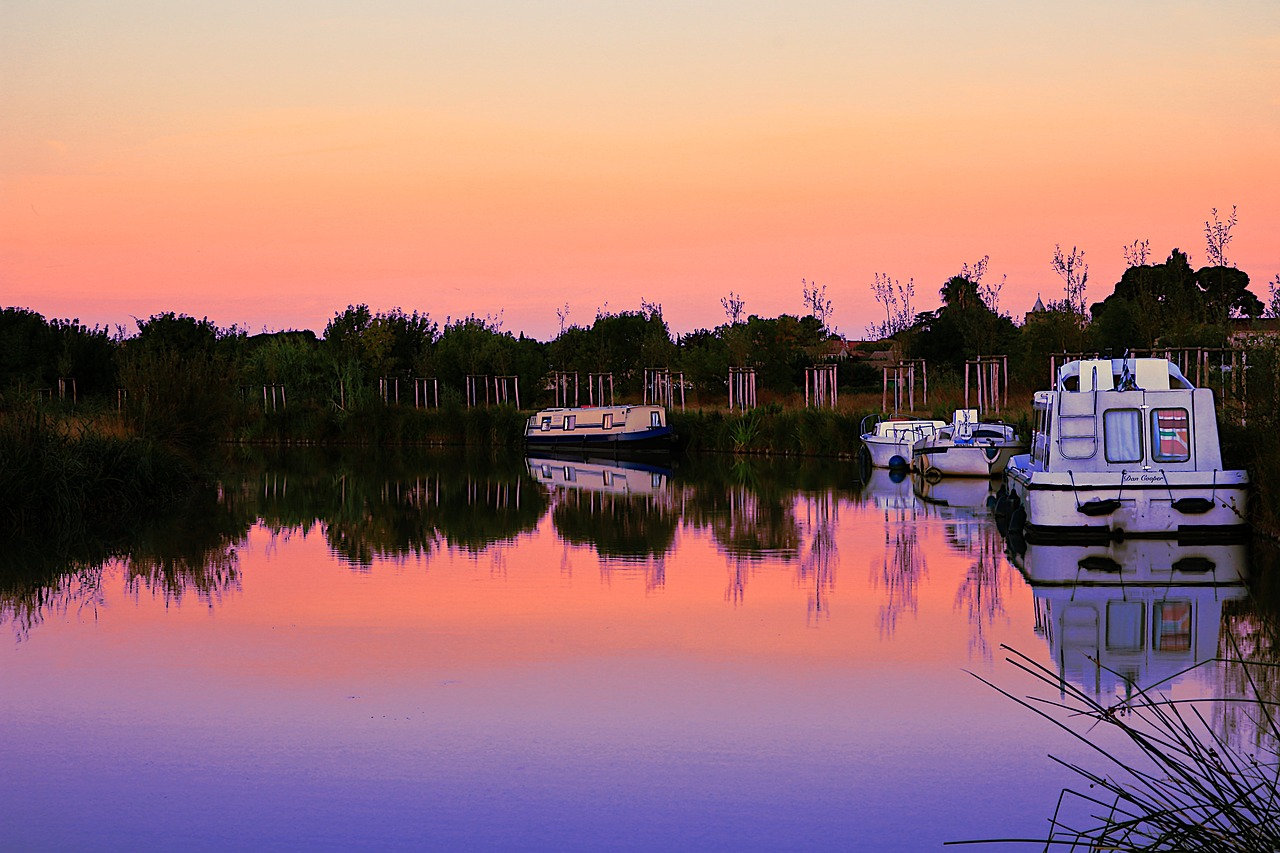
point(440, 653)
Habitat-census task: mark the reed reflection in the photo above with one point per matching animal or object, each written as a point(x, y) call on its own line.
point(191, 553)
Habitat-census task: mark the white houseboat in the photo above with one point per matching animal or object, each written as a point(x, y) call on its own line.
point(888, 442)
point(967, 448)
point(600, 428)
point(1125, 448)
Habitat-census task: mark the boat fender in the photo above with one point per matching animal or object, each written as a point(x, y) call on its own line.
point(1193, 506)
point(1195, 565)
point(1097, 506)
point(1017, 519)
point(1097, 563)
point(897, 461)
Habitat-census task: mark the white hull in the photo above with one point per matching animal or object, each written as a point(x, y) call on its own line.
point(882, 452)
point(953, 460)
point(889, 444)
point(1114, 505)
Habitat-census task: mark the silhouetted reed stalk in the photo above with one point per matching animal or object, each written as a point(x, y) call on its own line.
point(1186, 789)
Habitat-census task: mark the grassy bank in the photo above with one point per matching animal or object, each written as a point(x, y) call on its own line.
point(65, 478)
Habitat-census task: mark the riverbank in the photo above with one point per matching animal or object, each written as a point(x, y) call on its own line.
point(64, 478)
point(68, 471)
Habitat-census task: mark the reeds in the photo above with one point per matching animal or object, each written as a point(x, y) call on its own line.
point(1182, 786)
point(64, 479)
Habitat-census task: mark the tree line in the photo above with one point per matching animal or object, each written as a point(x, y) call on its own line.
point(176, 372)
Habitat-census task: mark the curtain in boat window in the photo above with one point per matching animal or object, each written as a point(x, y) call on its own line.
point(1122, 434)
point(1171, 435)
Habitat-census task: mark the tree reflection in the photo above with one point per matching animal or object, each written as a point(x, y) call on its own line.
point(981, 593)
point(900, 573)
point(192, 552)
point(818, 566)
point(396, 505)
point(626, 527)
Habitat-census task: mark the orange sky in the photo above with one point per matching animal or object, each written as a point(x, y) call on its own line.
point(269, 166)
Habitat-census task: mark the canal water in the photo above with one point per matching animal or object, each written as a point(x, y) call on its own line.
point(354, 651)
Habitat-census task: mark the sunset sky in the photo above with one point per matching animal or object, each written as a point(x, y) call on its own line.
point(266, 164)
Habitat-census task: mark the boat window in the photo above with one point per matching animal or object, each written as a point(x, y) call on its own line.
point(607, 423)
point(1040, 437)
point(1171, 626)
point(1123, 435)
point(570, 421)
point(546, 422)
point(655, 419)
point(1124, 625)
point(1170, 435)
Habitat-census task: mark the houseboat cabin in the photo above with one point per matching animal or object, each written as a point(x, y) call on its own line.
point(630, 428)
point(1125, 448)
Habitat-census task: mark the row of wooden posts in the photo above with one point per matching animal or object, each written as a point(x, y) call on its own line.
point(987, 377)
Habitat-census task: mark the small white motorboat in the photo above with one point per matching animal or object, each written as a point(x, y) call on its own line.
point(888, 442)
point(967, 448)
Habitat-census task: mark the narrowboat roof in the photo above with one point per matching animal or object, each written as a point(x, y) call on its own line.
point(1121, 374)
point(597, 408)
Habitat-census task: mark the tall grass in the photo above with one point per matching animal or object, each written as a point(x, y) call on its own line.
point(1181, 787)
point(64, 478)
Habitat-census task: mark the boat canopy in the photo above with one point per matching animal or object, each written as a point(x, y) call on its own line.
point(1121, 374)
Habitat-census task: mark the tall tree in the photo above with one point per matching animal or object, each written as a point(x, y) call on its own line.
point(1074, 272)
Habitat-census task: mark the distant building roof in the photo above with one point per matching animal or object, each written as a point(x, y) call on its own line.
point(1039, 306)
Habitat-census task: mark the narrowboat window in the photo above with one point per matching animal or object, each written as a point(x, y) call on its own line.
point(655, 479)
point(1123, 435)
point(655, 419)
point(569, 421)
point(1171, 435)
point(570, 474)
point(1171, 626)
point(608, 420)
point(1124, 625)
point(546, 422)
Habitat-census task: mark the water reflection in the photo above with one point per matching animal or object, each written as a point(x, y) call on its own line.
point(626, 511)
point(190, 554)
point(736, 644)
point(1134, 613)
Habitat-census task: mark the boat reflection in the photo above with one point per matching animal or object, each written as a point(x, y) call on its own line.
point(605, 476)
point(889, 489)
point(625, 510)
point(1134, 613)
point(968, 494)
